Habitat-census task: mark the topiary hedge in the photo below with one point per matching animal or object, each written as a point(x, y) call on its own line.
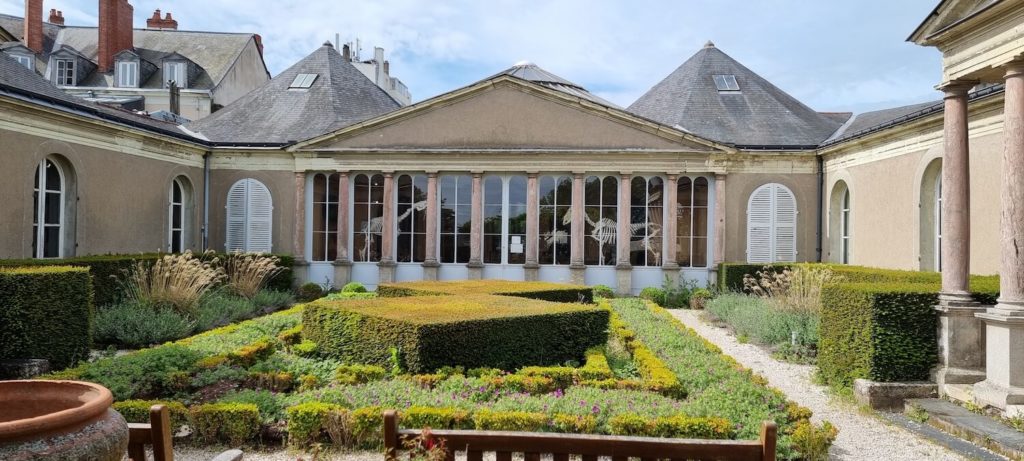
point(882, 332)
point(46, 313)
point(430, 332)
point(544, 291)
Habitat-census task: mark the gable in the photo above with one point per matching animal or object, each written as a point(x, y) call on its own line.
point(510, 116)
point(947, 14)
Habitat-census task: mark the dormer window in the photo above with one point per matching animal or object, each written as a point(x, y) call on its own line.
point(27, 61)
point(65, 72)
point(127, 74)
point(726, 83)
point(177, 72)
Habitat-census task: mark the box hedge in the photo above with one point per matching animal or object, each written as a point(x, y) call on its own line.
point(544, 291)
point(881, 332)
point(46, 313)
point(430, 332)
point(108, 270)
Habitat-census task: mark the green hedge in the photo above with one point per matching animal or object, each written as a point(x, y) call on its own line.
point(431, 332)
point(544, 291)
point(882, 332)
point(46, 313)
point(108, 270)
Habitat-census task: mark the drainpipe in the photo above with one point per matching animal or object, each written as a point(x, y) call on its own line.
point(206, 201)
point(821, 207)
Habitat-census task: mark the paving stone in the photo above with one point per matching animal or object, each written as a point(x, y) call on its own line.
point(979, 429)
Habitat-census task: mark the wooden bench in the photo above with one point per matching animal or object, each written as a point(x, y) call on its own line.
point(589, 447)
point(157, 433)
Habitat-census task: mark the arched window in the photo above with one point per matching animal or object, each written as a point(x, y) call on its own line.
point(771, 224)
point(412, 218)
point(646, 217)
point(692, 222)
point(930, 229)
point(368, 204)
point(179, 218)
point(840, 226)
point(250, 210)
point(601, 200)
point(456, 210)
point(938, 222)
point(555, 215)
point(48, 201)
point(325, 217)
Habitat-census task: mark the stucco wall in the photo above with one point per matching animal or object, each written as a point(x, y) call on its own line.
point(247, 74)
point(738, 188)
point(282, 191)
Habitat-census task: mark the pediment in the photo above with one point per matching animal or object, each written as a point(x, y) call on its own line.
point(947, 14)
point(509, 114)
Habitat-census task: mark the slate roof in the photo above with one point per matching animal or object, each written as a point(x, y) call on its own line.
point(758, 115)
point(340, 96)
point(18, 81)
point(531, 72)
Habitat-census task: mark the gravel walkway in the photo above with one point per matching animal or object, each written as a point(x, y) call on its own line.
point(861, 436)
point(194, 454)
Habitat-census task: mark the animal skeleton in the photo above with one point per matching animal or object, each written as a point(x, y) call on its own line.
point(376, 225)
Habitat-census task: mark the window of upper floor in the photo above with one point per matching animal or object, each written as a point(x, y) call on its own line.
point(25, 60)
point(65, 72)
point(177, 72)
point(126, 74)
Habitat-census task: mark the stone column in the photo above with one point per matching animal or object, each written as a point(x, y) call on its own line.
point(577, 268)
point(476, 263)
point(670, 264)
point(430, 263)
point(387, 256)
point(301, 265)
point(623, 269)
point(1003, 386)
point(343, 262)
point(532, 266)
point(961, 335)
point(718, 254)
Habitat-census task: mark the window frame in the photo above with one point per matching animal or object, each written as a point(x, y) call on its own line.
point(180, 67)
point(40, 189)
point(69, 72)
point(327, 231)
point(773, 224)
point(938, 221)
point(691, 209)
point(182, 215)
point(455, 235)
point(589, 226)
point(561, 253)
point(362, 255)
point(25, 60)
point(126, 74)
point(844, 226)
point(656, 237)
point(417, 237)
point(250, 187)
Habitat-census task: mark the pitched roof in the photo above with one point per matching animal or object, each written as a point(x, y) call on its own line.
point(274, 113)
point(758, 114)
point(532, 73)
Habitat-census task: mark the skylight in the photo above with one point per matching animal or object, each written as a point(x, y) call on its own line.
point(726, 83)
point(303, 81)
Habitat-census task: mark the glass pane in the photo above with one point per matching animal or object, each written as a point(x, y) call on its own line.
point(446, 188)
point(319, 246)
point(404, 217)
point(462, 249)
point(377, 188)
point(517, 219)
point(700, 222)
point(35, 240)
point(332, 246)
point(565, 191)
point(332, 217)
point(404, 253)
point(176, 242)
point(404, 189)
point(35, 207)
point(362, 191)
point(592, 191)
point(175, 192)
point(419, 253)
point(546, 192)
point(36, 180)
point(492, 219)
point(683, 222)
point(684, 192)
point(420, 187)
point(516, 249)
point(517, 190)
point(465, 190)
point(447, 219)
point(464, 218)
point(319, 188)
point(700, 192)
point(53, 181)
point(319, 217)
point(447, 248)
point(51, 242)
point(638, 191)
point(492, 190)
point(176, 216)
point(610, 194)
point(492, 249)
point(683, 256)
point(51, 212)
point(332, 188)
point(700, 252)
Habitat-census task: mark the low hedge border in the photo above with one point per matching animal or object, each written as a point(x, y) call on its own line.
point(654, 374)
point(543, 291)
point(46, 313)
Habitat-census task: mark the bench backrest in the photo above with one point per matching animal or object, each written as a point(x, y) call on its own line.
point(590, 447)
point(157, 433)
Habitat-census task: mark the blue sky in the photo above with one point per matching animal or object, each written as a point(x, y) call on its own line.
point(832, 55)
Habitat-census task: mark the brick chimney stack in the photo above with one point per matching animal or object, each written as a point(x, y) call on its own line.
point(346, 53)
point(34, 25)
point(56, 17)
point(115, 29)
point(259, 43)
point(156, 22)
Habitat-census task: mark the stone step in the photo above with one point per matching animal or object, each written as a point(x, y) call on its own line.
point(979, 429)
point(959, 392)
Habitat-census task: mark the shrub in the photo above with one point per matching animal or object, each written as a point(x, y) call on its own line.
point(430, 332)
point(309, 292)
point(230, 423)
point(131, 324)
point(532, 385)
point(272, 299)
point(677, 426)
point(309, 382)
point(175, 280)
point(338, 425)
point(358, 374)
point(699, 298)
point(137, 411)
point(755, 318)
point(247, 273)
point(366, 425)
point(655, 375)
point(630, 424)
point(544, 291)
point(306, 348)
point(596, 366)
point(561, 377)
point(418, 417)
point(522, 421)
point(218, 308)
point(45, 313)
point(878, 332)
point(291, 336)
point(268, 403)
point(306, 421)
point(813, 441)
point(249, 354)
point(141, 374)
point(277, 382)
point(603, 291)
point(796, 290)
point(653, 294)
point(353, 287)
point(574, 424)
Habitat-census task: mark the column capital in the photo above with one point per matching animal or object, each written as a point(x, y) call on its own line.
point(388, 174)
point(957, 88)
point(477, 174)
point(1013, 68)
point(578, 174)
point(720, 176)
point(431, 174)
point(343, 172)
point(532, 174)
point(672, 176)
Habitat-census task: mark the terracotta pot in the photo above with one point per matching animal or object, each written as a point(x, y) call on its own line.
point(59, 420)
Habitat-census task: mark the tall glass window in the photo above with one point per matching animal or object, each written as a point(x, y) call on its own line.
point(646, 213)
point(368, 204)
point(938, 222)
point(692, 222)
point(176, 217)
point(845, 218)
point(494, 198)
point(516, 246)
point(48, 208)
point(456, 210)
point(601, 200)
point(412, 218)
point(325, 217)
point(555, 219)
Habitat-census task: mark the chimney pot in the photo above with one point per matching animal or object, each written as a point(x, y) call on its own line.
point(346, 52)
point(387, 68)
point(56, 17)
point(33, 25)
point(158, 22)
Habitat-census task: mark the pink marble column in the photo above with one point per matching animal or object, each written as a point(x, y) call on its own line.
point(1011, 273)
point(578, 221)
point(671, 223)
point(477, 223)
point(622, 233)
point(299, 236)
point(343, 207)
point(430, 259)
point(719, 255)
point(387, 255)
point(956, 197)
point(532, 221)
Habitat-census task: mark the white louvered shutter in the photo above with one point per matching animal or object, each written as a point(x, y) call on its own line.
point(261, 213)
point(759, 226)
point(236, 205)
point(785, 224)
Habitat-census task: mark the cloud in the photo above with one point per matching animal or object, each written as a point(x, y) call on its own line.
point(830, 55)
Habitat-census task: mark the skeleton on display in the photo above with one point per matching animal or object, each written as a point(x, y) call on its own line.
point(376, 226)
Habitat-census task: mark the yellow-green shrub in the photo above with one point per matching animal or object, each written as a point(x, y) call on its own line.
point(137, 411)
point(596, 366)
point(522, 421)
point(418, 417)
point(813, 441)
point(533, 385)
point(612, 383)
point(678, 426)
point(247, 356)
point(358, 374)
point(231, 423)
point(561, 377)
point(338, 425)
point(366, 424)
point(309, 382)
point(274, 381)
point(306, 421)
point(291, 336)
point(306, 348)
point(574, 424)
point(630, 424)
point(544, 291)
point(655, 374)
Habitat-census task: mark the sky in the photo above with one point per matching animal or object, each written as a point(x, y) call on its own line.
point(832, 55)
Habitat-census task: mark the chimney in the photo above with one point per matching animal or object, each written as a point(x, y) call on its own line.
point(115, 31)
point(165, 23)
point(56, 17)
point(387, 68)
point(346, 53)
point(259, 43)
point(34, 25)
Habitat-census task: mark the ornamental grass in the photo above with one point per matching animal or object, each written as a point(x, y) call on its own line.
point(175, 280)
point(247, 273)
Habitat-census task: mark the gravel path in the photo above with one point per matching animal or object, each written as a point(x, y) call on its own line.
point(194, 454)
point(861, 436)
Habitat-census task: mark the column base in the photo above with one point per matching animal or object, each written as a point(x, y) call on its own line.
point(1003, 386)
point(300, 272)
point(386, 271)
point(342, 272)
point(671, 272)
point(430, 269)
point(476, 270)
point(961, 341)
point(531, 272)
point(624, 280)
point(577, 274)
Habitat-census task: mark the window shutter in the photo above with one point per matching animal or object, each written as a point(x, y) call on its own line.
point(759, 226)
point(785, 224)
point(236, 205)
point(261, 210)
point(771, 225)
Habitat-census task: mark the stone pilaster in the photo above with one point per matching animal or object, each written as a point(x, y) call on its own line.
point(719, 236)
point(532, 267)
point(623, 269)
point(476, 263)
point(577, 268)
point(301, 266)
point(343, 262)
point(387, 248)
point(430, 263)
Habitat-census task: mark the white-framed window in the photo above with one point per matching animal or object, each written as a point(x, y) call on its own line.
point(771, 224)
point(65, 72)
point(175, 71)
point(554, 220)
point(25, 60)
point(411, 218)
point(456, 211)
point(368, 213)
point(938, 222)
point(504, 226)
point(127, 74)
point(325, 217)
point(176, 217)
point(601, 205)
point(692, 221)
point(250, 210)
point(48, 198)
point(647, 213)
point(844, 227)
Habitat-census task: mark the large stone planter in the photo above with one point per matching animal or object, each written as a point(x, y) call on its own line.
point(59, 420)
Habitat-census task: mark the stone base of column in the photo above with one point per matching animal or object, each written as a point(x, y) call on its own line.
point(430, 269)
point(342, 273)
point(577, 274)
point(961, 341)
point(476, 270)
point(624, 280)
point(300, 272)
point(531, 272)
point(672, 273)
point(386, 271)
point(1003, 386)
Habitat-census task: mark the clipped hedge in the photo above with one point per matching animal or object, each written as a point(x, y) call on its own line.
point(137, 411)
point(229, 423)
point(882, 332)
point(430, 332)
point(544, 291)
point(46, 313)
point(108, 270)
